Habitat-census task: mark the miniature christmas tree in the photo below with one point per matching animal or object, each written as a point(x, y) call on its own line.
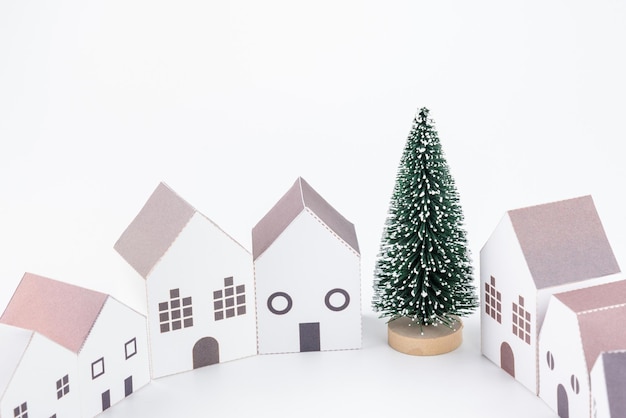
point(423, 271)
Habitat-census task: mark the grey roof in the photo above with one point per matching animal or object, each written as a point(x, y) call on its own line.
point(299, 197)
point(154, 229)
point(563, 242)
point(615, 375)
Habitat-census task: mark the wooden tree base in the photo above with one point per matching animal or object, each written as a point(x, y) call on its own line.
point(405, 336)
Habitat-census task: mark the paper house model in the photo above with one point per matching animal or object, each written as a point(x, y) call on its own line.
point(533, 253)
point(608, 380)
point(307, 272)
point(107, 338)
point(38, 377)
point(579, 326)
point(199, 285)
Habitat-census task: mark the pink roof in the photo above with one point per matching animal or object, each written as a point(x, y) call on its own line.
point(299, 197)
point(599, 309)
point(154, 229)
point(563, 242)
point(60, 311)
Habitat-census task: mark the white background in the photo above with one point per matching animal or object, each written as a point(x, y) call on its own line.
point(228, 102)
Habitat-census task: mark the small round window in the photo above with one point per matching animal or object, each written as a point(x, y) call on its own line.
point(279, 303)
point(575, 384)
point(550, 360)
point(337, 300)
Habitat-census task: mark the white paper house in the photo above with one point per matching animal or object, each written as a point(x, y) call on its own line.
point(307, 272)
point(608, 381)
point(533, 253)
point(579, 326)
point(199, 282)
point(38, 377)
point(107, 337)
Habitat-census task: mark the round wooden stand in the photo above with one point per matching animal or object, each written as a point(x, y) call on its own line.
point(407, 337)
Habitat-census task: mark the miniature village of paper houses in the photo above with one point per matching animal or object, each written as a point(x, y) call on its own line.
point(551, 291)
point(552, 297)
point(75, 352)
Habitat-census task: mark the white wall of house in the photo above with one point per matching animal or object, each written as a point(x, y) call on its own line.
point(111, 339)
point(600, 407)
point(306, 262)
point(197, 264)
point(34, 381)
point(501, 258)
point(560, 336)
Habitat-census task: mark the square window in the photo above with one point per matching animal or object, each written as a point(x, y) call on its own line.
point(230, 302)
point(241, 310)
point(487, 300)
point(176, 325)
point(241, 289)
point(188, 322)
point(521, 301)
point(228, 281)
point(59, 384)
point(165, 327)
point(527, 326)
point(230, 313)
point(175, 303)
point(174, 293)
point(97, 368)
point(59, 393)
point(218, 304)
point(499, 319)
point(499, 295)
point(164, 317)
point(493, 281)
point(217, 294)
point(163, 306)
point(528, 316)
point(130, 348)
point(176, 314)
point(187, 312)
point(187, 301)
point(229, 291)
point(527, 339)
point(219, 315)
point(66, 389)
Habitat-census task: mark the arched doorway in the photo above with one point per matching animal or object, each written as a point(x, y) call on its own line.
point(206, 351)
point(507, 360)
point(561, 402)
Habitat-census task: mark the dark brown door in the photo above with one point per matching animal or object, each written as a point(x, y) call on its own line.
point(206, 351)
point(310, 336)
point(507, 359)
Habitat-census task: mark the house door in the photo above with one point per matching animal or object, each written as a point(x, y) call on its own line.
point(561, 402)
point(128, 386)
point(310, 336)
point(106, 400)
point(507, 359)
point(205, 352)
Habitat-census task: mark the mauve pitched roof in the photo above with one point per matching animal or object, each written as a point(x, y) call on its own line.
point(60, 311)
point(154, 229)
point(299, 197)
point(563, 242)
point(599, 309)
point(615, 377)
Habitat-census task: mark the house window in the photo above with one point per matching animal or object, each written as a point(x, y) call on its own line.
point(21, 411)
point(130, 348)
point(97, 368)
point(284, 304)
point(176, 313)
point(493, 301)
point(521, 321)
point(63, 386)
point(230, 301)
point(550, 360)
point(575, 384)
point(335, 303)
